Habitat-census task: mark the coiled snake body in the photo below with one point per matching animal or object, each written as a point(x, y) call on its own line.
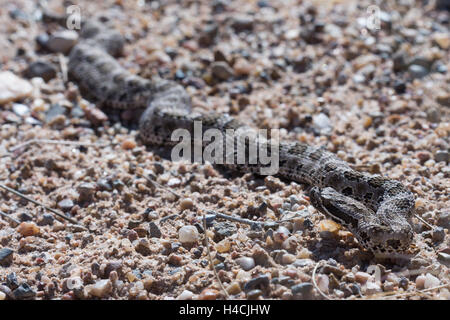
point(375, 209)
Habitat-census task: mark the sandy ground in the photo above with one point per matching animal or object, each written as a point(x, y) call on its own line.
point(377, 97)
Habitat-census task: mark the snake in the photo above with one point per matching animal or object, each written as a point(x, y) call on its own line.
point(375, 209)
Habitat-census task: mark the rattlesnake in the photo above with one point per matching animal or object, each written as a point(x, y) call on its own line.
point(377, 210)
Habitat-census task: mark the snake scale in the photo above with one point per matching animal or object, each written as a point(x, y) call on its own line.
point(377, 210)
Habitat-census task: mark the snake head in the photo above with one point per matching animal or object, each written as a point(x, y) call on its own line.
point(380, 232)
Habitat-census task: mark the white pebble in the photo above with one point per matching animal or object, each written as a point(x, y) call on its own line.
point(246, 263)
point(372, 288)
point(323, 282)
point(431, 281)
point(13, 88)
point(2, 296)
point(188, 234)
point(288, 258)
point(185, 295)
point(420, 281)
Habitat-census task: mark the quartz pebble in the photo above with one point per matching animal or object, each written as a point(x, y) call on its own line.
point(100, 289)
point(431, 281)
point(246, 263)
point(188, 235)
point(186, 295)
point(13, 88)
point(208, 294)
point(27, 229)
point(186, 203)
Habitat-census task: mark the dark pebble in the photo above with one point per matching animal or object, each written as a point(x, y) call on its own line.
point(104, 185)
point(6, 256)
point(302, 288)
point(40, 69)
point(417, 71)
point(24, 291)
point(438, 234)
point(224, 229)
point(11, 281)
point(260, 281)
point(443, 220)
point(46, 220)
point(242, 23)
point(254, 294)
point(65, 205)
point(54, 111)
point(399, 87)
point(154, 231)
point(113, 266)
point(24, 216)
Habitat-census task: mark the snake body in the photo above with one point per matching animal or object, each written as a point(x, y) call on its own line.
point(377, 210)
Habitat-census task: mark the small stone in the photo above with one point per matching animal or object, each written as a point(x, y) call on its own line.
point(234, 288)
point(288, 258)
point(303, 288)
point(420, 281)
point(444, 258)
point(221, 70)
point(24, 291)
point(223, 246)
point(25, 216)
point(143, 247)
point(20, 109)
point(323, 282)
point(128, 145)
point(46, 220)
point(246, 263)
point(362, 277)
point(100, 289)
point(329, 226)
point(2, 296)
point(433, 115)
point(95, 116)
point(242, 67)
point(259, 281)
point(431, 281)
point(86, 191)
point(27, 229)
point(13, 88)
point(302, 64)
point(443, 219)
point(6, 256)
point(442, 39)
point(224, 229)
point(41, 69)
point(188, 235)
point(65, 205)
point(254, 294)
point(62, 41)
point(442, 156)
point(417, 71)
point(443, 98)
point(154, 231)
point(186, 204)
point(322, 123)
point(242, 23)
point(423, 156)
point(208, 294)
point(173, 182)
point(186, 295)
point(281, 234)
point(438, 234)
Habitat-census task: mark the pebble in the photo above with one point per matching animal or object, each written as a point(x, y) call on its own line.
point(323, 282)
point(2, 296)
point(188, 235)
point(242, 23)
point(13, 88)
point(288, 258)
point(254, 294)
point(361, 277)
point(444, 258)
point(62, 41)
point(224, 229)
point(154, 231)
point(322, 123)
point(20, 109)
point(65, 205)
point(442, 39)
point(128, 145)
point(100, 289)
point(234, 288)
point(302, 288)
point(246, 263)
point(41, 69)
point(24, 291)
point(442, 156)
point(223, 246)
point(186, 204)
point(256, 282)
point(431, 281)
point(185, 295)
point(281, 234)
point(6, 256)
point(208, 294)
point(420, 281)
point(86, 191)
point(46, 220)
point(221, 70)
point(242, 67)
point(438, 234)
point(27, 229)
point(417, 71)
point(443, 219)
